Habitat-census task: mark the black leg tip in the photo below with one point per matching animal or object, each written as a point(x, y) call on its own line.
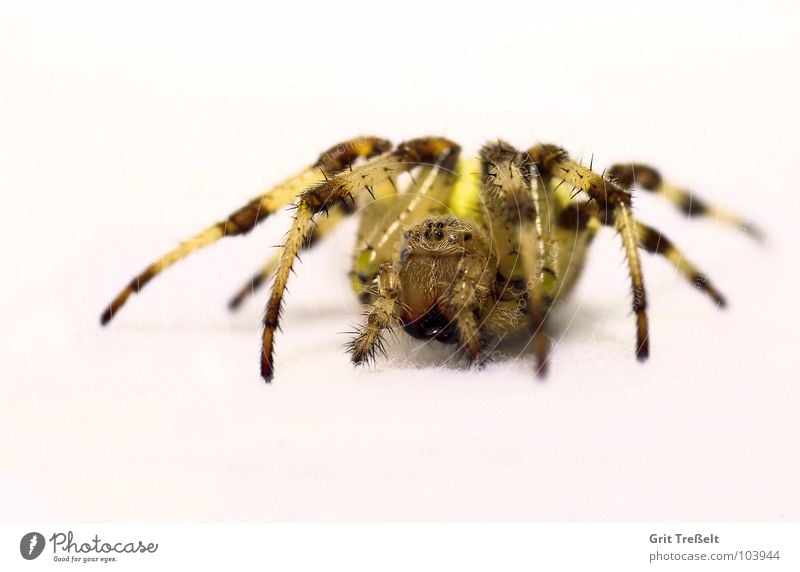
point(105, 318)
point(643, 350)
point(266, 370)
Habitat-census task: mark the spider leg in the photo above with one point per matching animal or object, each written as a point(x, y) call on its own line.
point(511, 192)
point(346, 184)
point(650, 179)
point(369, 340)
point(463, 304)
point(383, 232)
point(323, 227)
point(614, 202)
point(243, 220)
point(655, 242)
point(504, 319)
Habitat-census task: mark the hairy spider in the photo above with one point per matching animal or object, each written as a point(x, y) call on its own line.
point(460, 251)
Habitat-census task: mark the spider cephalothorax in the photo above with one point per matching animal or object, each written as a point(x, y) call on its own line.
point(458, 251)
point(438, 256)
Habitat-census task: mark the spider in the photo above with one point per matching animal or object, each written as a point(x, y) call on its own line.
point(462, 251)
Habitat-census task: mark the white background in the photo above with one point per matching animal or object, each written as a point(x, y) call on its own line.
point(126, 127)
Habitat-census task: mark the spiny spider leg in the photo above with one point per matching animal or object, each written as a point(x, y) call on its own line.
point(324, 226)
point(346, 184)
point(614, 202)
point(510, 190)
point(649, 179)
point(369, 340)
point(383, 234)
point(655, 242)
point(243, 220)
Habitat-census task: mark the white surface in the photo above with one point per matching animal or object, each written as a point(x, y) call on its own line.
point(127, 127)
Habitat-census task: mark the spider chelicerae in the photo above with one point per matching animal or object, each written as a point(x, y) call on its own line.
point(462, 251)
